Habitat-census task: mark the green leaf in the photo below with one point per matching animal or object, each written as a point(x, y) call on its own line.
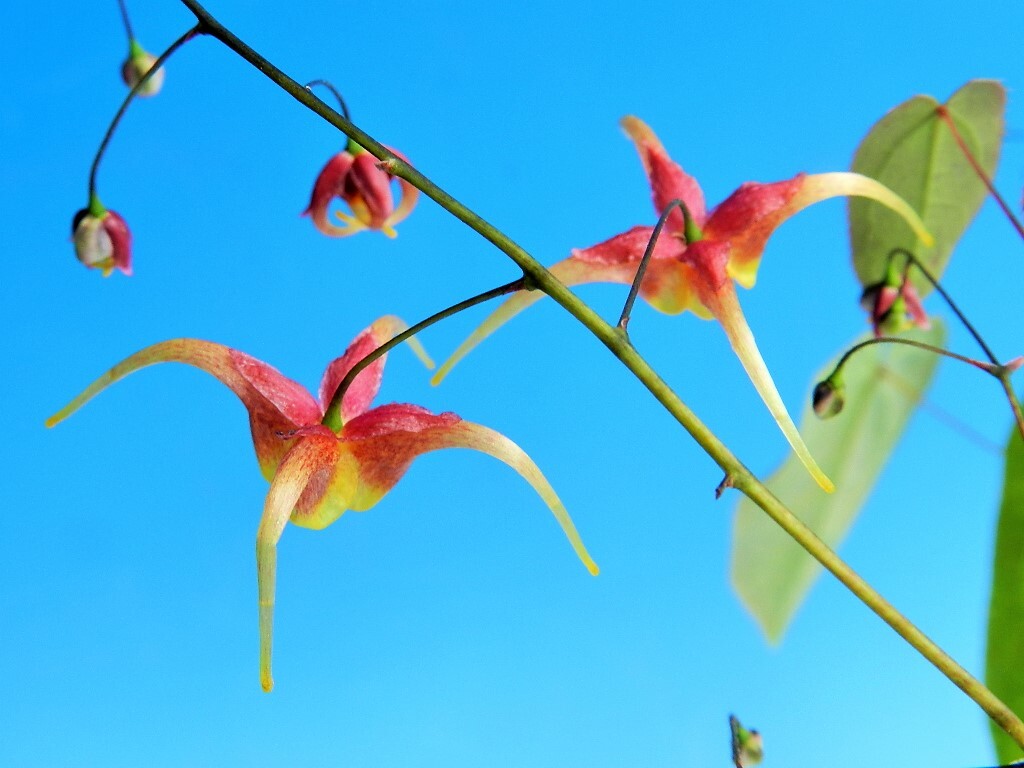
point(883, 384)
point(1004, 672)
point(913, 152)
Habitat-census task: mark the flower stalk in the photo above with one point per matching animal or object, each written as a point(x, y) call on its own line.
point(135, 91)
point(332, 415)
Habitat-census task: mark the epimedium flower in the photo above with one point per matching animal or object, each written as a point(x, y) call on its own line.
point(893, 304)
point(102, 238)
point(700, 255)
point(134, 68)
point(354, 176)
point(316, 474)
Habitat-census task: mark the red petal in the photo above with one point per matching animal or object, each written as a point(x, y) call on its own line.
point(120, 240)
point(366, 385)
point(668, 180)
point(329, 184)
point(371, 186)
point(630, 247)
point(275, 403)
point(747, 218)
point(386, 440)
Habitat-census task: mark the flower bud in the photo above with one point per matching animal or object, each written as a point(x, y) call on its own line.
point(102, 239)
point(137, 65)
point(893, 307)
point(827, 399)
point(747, 745)
point(751, 749)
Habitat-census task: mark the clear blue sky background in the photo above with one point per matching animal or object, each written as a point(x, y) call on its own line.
point(451, 625)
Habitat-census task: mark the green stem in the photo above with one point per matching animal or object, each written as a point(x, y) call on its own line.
point(332, 416)
point(609, 335)
point(198, 29)
point(127, 21)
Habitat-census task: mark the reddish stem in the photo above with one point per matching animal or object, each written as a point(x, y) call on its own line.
point(943, 113)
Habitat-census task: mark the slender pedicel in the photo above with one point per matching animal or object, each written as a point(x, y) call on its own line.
point(332, 415)
point(196, 30)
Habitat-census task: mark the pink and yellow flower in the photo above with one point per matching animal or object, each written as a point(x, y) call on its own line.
point(695, 268)
point(355, 177)
point(315, 473)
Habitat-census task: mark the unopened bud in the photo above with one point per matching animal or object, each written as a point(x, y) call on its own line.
point(102, 239)
point(751, 750)
point(827, 399)
point(747, 745)
point(137, 64)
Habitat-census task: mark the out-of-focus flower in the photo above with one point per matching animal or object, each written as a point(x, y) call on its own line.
point(316, 474)
point(137, 64)
point(355, 177)
point(893, 304)
point(828, 398)
point(699, 255)
point(102, 239)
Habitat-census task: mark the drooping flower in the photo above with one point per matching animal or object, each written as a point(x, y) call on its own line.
point(893, 305)
point(102, 239)
point(354, 176)
point(317, 474)
point(693, 268)
point(137, 64)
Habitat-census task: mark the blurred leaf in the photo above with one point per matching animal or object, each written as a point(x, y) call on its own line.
point(1004, 671)
point(884, 383)
point(913, 152)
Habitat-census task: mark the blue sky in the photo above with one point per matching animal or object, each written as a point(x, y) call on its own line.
point(451, 625)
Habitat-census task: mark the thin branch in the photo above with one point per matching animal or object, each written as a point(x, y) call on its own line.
point(127, 21)
point(641, 270)
point(337, 94)
point(948, 120)
point(196, 30)
point(912, 259)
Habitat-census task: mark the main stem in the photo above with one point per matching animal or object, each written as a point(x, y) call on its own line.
point(741, 478)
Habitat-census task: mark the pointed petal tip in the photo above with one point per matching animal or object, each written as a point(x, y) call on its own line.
point(592, 567)
point(637, 129)
point(727, 310)
point(266, 682)
point(824, 185)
